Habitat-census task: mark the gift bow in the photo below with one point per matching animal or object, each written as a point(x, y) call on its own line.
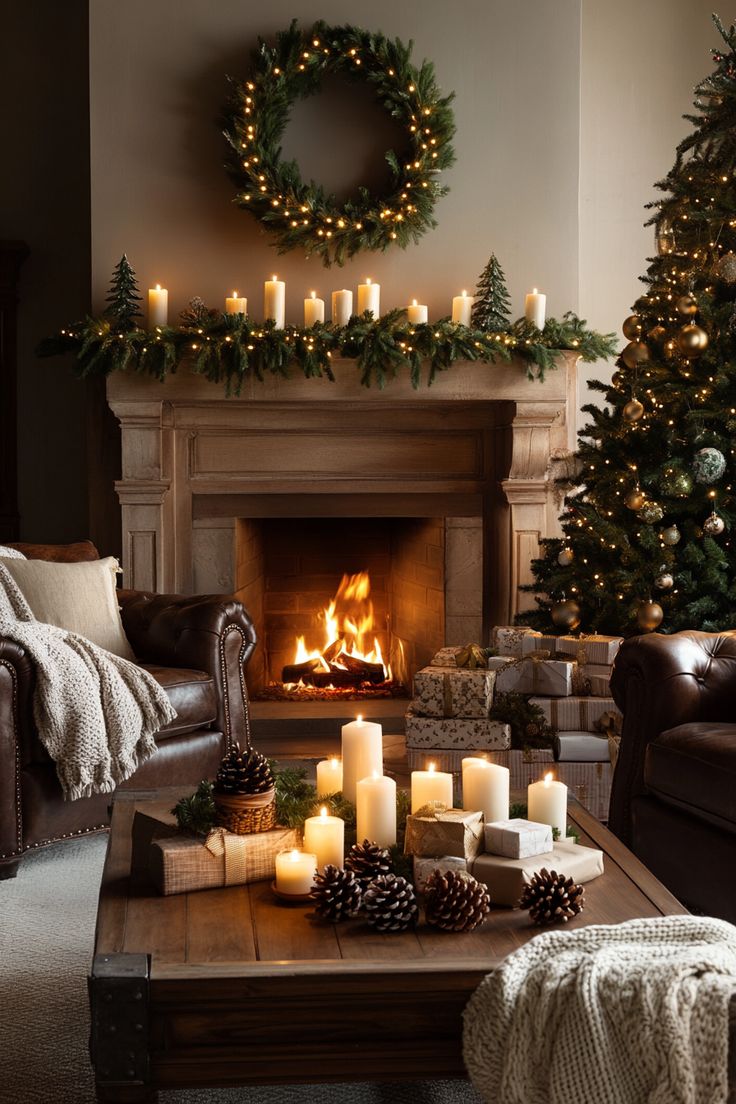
point(221, 843)
point(472, 656)
point(431, 809)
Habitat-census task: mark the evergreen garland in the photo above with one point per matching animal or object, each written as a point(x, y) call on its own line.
point(301, 215)
point(491, 305)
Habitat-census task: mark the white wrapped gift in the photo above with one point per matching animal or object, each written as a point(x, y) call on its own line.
point(496, 662)
point(425, 867)
point(597, 679)
point(576, 714)
point(550, 677)
point(453, 692)
point(539, 642)
point(507, 638)
point(581, 747)
point(474, 733)
point(517, 839)
point(590, 649)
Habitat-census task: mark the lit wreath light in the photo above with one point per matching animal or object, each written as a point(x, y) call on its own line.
point(303, 215)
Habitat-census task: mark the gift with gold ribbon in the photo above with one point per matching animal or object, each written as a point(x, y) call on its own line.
point(593, 648)
point(453, 692)
point(576, 714)
point(472, 656)
point(538, 673)
point(436, 832)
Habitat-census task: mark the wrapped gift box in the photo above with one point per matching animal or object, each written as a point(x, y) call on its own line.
point(180, 864)
point(597, 678)
point(506, 878)
point(425, 867)
point(517, 839)
point(507, 639)
point(539, 642)
point(455, 832)
point(581, 747)
point(453, 692)
point(576, 714)
point(496, 662)
point(476, 734)
point(590, 649)
point(469, 657)
point(550, 677)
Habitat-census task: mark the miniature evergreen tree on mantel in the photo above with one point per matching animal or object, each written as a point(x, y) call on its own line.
point(123, 297)
point(492, 306)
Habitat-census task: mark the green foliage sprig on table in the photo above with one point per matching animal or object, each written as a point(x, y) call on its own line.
point(197, 813)
point(233, 349)
point(303, 215)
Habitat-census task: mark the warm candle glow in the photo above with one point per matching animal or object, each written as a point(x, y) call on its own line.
point(548, 778)
point(323, 812)
point(334, 762)
point(367, 279)
point(235, 295)
point(431, 767)
point(464, 293)
point(534, 290)
point(359, 719)
point(158, 287)
point(274, 277)
point(413, 302)
point(313, 294)
point(294, 855)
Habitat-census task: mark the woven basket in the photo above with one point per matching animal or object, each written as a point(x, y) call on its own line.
point(244, 814)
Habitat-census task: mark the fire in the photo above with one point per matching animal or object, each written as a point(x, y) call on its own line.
point(348, 629)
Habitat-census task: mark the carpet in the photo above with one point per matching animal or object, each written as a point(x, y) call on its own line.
point(47, 920)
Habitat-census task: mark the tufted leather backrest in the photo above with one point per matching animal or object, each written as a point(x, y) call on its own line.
point(79, 551)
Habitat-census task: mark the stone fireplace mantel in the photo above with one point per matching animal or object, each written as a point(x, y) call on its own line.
point(476, 445)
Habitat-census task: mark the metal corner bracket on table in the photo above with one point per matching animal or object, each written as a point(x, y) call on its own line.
point(119, 1043)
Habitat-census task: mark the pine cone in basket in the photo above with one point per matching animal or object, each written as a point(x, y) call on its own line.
point(455, 901)
point(368, 861)
point(551, 898)
point(390, 903)
point(243, 772)
point(336, 894)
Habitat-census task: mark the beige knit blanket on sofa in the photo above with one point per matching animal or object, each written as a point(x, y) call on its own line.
point(633, 1013)
point(96, 714)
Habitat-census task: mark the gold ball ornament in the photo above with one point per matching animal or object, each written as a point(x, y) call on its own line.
point(636, 352)
point(566, 557)
point(633, 411)
point(649, 616)
point(686, 304)
point(631, 328)
point(692, 340)
point(566, 614)
point(635, 499)
point(714, 525)
point(671, 535)
point(664, 581)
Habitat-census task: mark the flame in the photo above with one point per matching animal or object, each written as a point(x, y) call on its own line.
point(548, 778)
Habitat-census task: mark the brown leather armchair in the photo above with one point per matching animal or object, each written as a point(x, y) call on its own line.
point(196, 647)
point(673, 800)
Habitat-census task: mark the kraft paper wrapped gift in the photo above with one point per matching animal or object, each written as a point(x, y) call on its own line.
point(476, 734)
point(469, 656)
point(507, 638)
point(539, 642)
point(517, 838)
point(453, 692)
point(455, 832)
point(506, 878)
point(533, 675)
point(581, 747)
point(576, 714)
point(590, 649)
point(424, 868)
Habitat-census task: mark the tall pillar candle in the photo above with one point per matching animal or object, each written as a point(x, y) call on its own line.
point(376, 810)
point(329, 776)
point(325, 836)
point(295, 872)
point(236, 304)
point(417, 313)
point(369, 298)
point(314, 310)
point(486, 788)
point(430, 785)
point(158, 307)
point(535, 306)
point(362, 754)
point(342, 307)
point(462, 308)
point(547, 803)
point(274, 301)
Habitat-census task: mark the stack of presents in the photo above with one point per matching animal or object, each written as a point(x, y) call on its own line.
point(457, 710)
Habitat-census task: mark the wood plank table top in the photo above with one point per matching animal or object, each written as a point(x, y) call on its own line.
point(244, 989)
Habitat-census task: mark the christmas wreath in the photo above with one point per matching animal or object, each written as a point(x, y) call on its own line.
point(302, 215)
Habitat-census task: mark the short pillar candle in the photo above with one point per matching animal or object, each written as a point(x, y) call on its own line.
point(274, 302)
point(535, 307)
point(295, 872)
point(376, 810)
point(329, 776)
point(158, 307)
point(486, 788)
point(325, 836)
point(314, 310)
point(417, 313)
point(547, 803)
point(236, 304)
point(462, 308)
point(430, 785)
point(362, 754)
point(369, 298)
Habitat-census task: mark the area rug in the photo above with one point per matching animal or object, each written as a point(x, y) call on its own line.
point(47, 920)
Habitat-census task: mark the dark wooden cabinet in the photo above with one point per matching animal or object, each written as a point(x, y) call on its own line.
point(12, 256)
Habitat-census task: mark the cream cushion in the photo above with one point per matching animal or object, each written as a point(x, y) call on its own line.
point(78, 597)
point(10, 553)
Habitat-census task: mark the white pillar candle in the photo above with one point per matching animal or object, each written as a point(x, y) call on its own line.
point(295, 871)
point(329, 776)
point(462, 307)
point(158, 306)
point(547, 803)
point(314, 310)
point(325, 836)
point(274, 301)
point(342, 307)
point(486, 787)
point(376, 810)
point(430, 785)
point(369, 298)
point(417, 313)
point(535, 306)
point(236, 304)
point(362, 754)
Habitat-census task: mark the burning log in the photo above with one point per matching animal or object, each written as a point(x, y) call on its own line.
point(363, 669)
point(333, 650)
point(295, 672)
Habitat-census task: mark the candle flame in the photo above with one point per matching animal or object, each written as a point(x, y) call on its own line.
point(367, 279)
point(376, 774)
point(431, 768)
point(158, 287)
point(235, 295)
point(323, 812)
point(334, 762)
point(294, 855)
point(534, 291)
point(274, 278)
point(313, 294)
point(359, 719)
point(548, 778)
point(464, 293)
point(413, 302)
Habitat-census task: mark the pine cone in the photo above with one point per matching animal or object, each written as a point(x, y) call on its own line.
point(243, 772)
point(551, 898)
point(455, 902)
point(336, 894)
point(368, 861)
point(390, 903)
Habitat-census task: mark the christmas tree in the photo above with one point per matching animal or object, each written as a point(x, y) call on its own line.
point(649, 530)
point(492, 306)
point(123, 297)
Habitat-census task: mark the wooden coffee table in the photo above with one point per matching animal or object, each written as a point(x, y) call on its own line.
point(229, 987)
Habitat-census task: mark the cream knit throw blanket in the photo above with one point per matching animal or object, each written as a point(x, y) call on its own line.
point(634, 1013)
point(96, 714)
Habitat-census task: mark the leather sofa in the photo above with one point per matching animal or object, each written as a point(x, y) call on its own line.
point(196, 647)
point(673, 800)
